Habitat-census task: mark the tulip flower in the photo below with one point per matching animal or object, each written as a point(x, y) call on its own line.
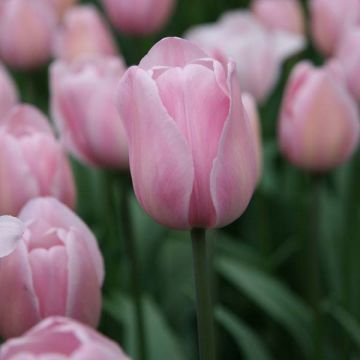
point(61, 338)
point(83, 33)
point(83, 107)
point(252, 112)
point(11, 232)
point(284, 15)
point(257, 51)
point(140, 18)
point(319, 126)
point(32, 162)
point(330, 19)
point(26, 33)
point(56, 269)
point(8, 95)
point(186, 172)
point(348, 54)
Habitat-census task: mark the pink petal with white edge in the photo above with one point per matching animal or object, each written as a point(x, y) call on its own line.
point(172, 51)
point(160, 158)
point(11, 232)
point(233, 177)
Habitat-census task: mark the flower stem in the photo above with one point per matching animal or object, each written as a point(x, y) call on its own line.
point(206, 332)
point(134, 265)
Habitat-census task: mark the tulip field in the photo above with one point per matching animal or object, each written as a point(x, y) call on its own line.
point(179, 179)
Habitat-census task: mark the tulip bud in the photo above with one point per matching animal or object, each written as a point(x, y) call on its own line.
point(83, 33)
point(192, 154)
point(56, 269)
point(252, 112)
point(319, 125)
point(26, 32)
point(83, 107)
point(61, 338)
point(8, 92)
point(348, 54)
point(32, 162)
point(330, 19)
point(284, 15)
point(140, 18)
point(258, 52)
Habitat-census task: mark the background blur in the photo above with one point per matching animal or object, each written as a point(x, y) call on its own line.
point(279, 294)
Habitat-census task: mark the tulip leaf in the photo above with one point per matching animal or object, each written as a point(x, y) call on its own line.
point(249, 343)
point(161, 340)
point(272, 297)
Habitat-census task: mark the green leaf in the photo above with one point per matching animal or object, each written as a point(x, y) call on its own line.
point(273, 298)
point(249, 342)
point(161, 341)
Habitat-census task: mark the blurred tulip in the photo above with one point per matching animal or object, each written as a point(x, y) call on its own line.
point(56, 269)
point(32, 162)
point(348, 54)
point(84, 32)
point(26, 33)
point(83, 106)
point(11, 232)
point(329, 20)
point(252, 112)
point(141, 17)
point(257, 51)
point(319, 126)
point(8, 92)
point(61, 338)
point(284, 15)
point(187, 174)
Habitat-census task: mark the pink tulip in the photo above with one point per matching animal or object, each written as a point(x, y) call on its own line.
point(83, 33)
point(139, 17)
point(56, 269)
point(329, 20)
point(11, 232)
point(284, 15)
point(192, 154)
point(58, 338)
point(32, 162)
point(83, 106)
point(252, 112)
point(8, 92)
point(319, 126)
point(26, 32)
point(348, 54)
point(257, 51)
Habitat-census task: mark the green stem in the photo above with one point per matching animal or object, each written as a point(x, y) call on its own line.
point(206, 332)
point(135, 279)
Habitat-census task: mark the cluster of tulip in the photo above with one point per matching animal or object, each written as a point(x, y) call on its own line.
point(185, 121)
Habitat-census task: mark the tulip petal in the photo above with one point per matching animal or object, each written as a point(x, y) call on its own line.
point(172, 51)
point(160, 158)
point(199, 106)
point(234, 172)
point(11, 232)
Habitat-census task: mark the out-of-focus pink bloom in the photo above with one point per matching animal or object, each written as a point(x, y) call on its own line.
point(284, 15)
point(319, 126)
point(252, 112)
point(32, 162)
point(141, 17)
point(83, 33)
point(61, 338)
point(348, 54)
point(192, 152)
point(83, 106)
point(330, 19)
point(257, 51)
point(8, 92)
point(11, 232)
point(26, 33)
point(56, 269)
